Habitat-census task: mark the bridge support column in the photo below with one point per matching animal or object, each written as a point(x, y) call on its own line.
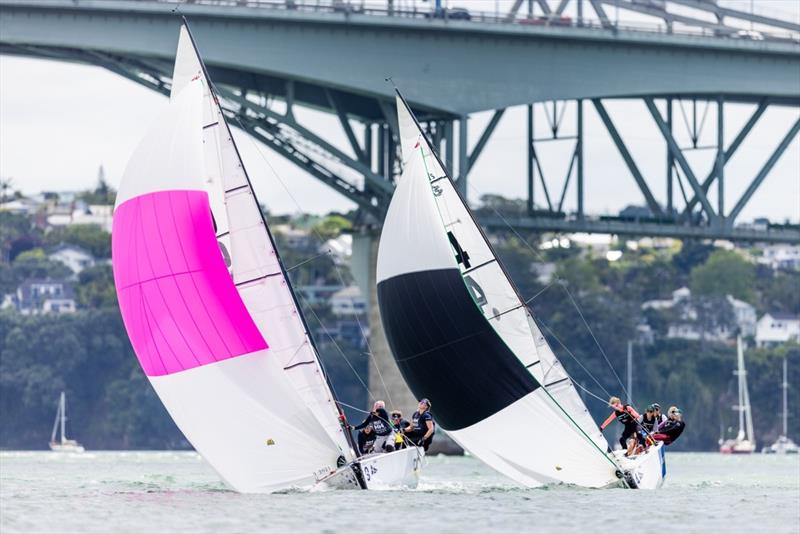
point(385, 381)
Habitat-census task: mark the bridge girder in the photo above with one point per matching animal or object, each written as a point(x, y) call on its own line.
point(250, 83)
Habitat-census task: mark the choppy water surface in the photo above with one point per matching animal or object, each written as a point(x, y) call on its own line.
point(178, 492)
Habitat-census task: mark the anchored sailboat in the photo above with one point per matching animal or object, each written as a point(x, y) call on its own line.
point(745, 442)
point(784, 444)
point(212, 315)
point(463, 337)
point(64, 444)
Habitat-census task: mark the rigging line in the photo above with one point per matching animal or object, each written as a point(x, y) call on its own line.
point(595, 339)
point(319, 236)
point(589, 373)
point(545, 288)
point(309, 260)
point(335, 344)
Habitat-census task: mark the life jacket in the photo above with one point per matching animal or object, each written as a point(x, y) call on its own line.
point(624, 417)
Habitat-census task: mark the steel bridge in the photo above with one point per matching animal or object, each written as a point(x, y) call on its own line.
point(270, 56)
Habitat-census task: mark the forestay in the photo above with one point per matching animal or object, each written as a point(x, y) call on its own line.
point(499, 390)
point(252, 258)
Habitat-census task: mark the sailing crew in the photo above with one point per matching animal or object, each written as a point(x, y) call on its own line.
point(378, 419)
point(366, 440)
point(421, 429)
point(669, 431)
point(625, 414)
point(660, 417)
point(398, 424)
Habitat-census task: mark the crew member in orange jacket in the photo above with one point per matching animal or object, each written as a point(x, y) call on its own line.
point(625, 414)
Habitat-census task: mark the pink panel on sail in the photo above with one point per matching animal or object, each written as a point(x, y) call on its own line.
point(179, 304)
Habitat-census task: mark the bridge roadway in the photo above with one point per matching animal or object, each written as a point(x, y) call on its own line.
point(452, 67)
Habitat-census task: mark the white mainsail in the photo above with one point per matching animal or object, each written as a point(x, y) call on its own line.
point(554, 437)
point(253, 259)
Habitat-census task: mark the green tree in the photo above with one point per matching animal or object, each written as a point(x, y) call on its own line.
point(331, 226)
point(724, 273)
point(96, 287)
point(92, 237)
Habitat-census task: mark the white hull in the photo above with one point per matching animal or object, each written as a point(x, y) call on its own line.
point(68, 446)
point(646, 470)
point(784, 445)
point(385, 471)
point(737, 446)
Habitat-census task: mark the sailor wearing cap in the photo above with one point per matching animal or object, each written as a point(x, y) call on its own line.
point(422, 427)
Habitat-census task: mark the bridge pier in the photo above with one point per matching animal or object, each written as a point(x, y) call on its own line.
point(385, 381)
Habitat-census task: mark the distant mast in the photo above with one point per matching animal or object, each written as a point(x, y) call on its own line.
point(64, 445)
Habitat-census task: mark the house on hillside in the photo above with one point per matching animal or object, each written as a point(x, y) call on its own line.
point(37, 297)
point(686, 321)
point(75, 257)
point(781, 256)
point(777, 328)
point(348, 301)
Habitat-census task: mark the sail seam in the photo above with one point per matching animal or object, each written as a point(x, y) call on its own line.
point(532, 364)
point(256, 279)
point(556, 382)
point(245, 186)
point(210, 125)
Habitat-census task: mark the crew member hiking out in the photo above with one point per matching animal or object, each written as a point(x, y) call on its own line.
point(378, 419)
point(669, 431)
point(626, 415)
point(422, 427)
point(366, 440)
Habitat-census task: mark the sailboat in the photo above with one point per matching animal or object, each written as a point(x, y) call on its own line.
point(64, 444)
point(784, 444)
point(464, 338)
point(211, 313)
point(745, 442)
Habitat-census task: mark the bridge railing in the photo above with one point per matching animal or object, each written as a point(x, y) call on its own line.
point(347, 8)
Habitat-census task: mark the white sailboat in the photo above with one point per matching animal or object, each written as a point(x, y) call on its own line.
point(744, 442)
point(64, 444)
point(464, 338)
point(211, 313)
point(784, 444)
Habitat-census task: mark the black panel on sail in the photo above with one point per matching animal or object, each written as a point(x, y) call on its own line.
point(446, 350)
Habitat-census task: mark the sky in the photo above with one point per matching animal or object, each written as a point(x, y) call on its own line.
point(59, 122)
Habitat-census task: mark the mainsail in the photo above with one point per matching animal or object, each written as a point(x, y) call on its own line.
point(207, 305)
point(462, 336)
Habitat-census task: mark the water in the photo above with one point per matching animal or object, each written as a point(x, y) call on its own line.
point(178, 492)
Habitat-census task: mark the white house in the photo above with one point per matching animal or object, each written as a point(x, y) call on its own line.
point(688, 327)
point(348, 301)
point(35, 297)
point(73, 256)
point(781, 256)
point(777, 328)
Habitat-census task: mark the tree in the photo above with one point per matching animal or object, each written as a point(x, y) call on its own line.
point(92, 237)
point(96, 287)
point(724, 273)
point(331, 226)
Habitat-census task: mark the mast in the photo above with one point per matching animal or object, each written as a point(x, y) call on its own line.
point(63, 417)
point(284, 273)
point(740, 382)
point(55, 423)
point(785, 387)
point(630, 372)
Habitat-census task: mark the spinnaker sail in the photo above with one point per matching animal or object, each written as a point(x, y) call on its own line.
point(463, 337)
point(207, 305)
point(254, 261)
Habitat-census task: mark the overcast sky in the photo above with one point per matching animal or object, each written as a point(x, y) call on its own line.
point(59, 122)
